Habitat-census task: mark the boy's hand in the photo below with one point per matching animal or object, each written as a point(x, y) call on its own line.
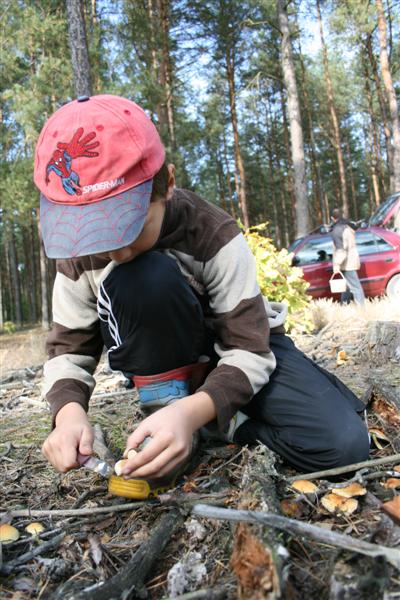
point(72, 434)
point(171, 429)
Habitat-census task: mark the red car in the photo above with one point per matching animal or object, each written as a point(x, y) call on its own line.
point(378, 247)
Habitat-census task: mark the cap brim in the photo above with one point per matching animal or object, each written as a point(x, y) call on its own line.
point(71, 231)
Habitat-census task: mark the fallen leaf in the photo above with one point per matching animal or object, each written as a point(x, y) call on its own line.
point(337, 504)
point(341, 358)
point(378, 434)
point(291, 508)
point(354, 489)
point(304, 486)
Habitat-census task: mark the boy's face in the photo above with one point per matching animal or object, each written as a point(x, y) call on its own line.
point(151, 229)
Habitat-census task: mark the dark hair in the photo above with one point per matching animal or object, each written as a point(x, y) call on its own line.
point(160, 183)
point(336, 213)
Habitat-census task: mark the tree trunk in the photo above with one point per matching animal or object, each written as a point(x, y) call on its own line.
point(228, 176)
point(79, 48)
point(384, 118)
point(390, 94)
point(240, 172)
point(166, 71)
point(335, 120)
point(1, 302)
point(15, 281)
point(296, 131)
point(44, 286)
point(289, 165)
point(375, 159)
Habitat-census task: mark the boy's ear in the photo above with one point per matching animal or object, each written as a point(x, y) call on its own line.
point(171, 180)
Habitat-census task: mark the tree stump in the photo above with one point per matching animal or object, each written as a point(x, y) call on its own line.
point(383, 342)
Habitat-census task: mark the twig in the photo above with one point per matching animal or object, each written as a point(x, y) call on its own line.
point(70, 512)
point(294, 527)
point(8, 568)
point(215, 593)
point(346, 469)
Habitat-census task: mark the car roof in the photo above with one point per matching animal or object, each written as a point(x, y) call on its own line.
point(391, 236)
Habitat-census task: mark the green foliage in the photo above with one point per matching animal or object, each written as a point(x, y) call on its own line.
point(9, 327)
point(279, 281)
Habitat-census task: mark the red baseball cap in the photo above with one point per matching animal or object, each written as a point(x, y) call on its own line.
point(94, 164)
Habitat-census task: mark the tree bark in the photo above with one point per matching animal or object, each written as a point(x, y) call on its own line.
point(390, 94)
point(334, 118)
point(166, 70)
point(15, 280)
point(384, 117)
point(44, 286)
point(240, 172)
point(296, 130)
point(79, 48)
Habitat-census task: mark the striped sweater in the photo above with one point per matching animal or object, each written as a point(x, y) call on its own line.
point(215, 258)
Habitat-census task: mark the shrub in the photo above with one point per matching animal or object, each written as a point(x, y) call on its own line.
point(8, 327)
point(278, 279)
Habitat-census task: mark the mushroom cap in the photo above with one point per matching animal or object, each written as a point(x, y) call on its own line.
point(337, 504)
point(131, 453)
point(391, 483)
point(8, 533)
point(119, 465)
point(34, 528)
point(354, 489)
point(304, 486)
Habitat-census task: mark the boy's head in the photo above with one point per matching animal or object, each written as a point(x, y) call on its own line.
point(95, 162)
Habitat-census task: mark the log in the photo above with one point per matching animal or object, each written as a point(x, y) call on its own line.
point(259, 556)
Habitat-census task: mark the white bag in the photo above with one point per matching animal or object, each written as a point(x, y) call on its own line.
point(337, 286)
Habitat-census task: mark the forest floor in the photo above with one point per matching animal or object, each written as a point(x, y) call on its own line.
point(162, 547)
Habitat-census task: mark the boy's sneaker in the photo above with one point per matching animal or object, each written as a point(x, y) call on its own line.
point(157, 391)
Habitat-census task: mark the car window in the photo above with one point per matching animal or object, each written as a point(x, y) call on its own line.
point(315, 251)
point(369, 243)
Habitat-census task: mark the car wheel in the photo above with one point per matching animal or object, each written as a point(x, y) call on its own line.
point(393, 287)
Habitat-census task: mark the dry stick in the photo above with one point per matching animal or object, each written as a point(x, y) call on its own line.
point(346, 469)
point(294, 527)
point(70, 512)
point(8, 568)
point(129, 581)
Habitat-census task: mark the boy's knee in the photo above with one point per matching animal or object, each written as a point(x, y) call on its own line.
point(351, 444)
point(152, 276)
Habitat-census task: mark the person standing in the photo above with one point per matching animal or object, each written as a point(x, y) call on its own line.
point(345, 255)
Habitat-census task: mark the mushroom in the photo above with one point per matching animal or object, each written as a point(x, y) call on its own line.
point(391, 483)
point(8, 533)
point(119, 465)
point(337, 504)
point(304, 486)
point(354, 489)
point(131, 453)
point(34, 528)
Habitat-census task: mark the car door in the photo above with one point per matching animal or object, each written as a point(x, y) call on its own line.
point(376, 256)
point(315, 259)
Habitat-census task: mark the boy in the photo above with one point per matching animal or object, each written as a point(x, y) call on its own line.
point(167, 283)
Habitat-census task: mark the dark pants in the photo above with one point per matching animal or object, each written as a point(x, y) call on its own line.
point(152, 321)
